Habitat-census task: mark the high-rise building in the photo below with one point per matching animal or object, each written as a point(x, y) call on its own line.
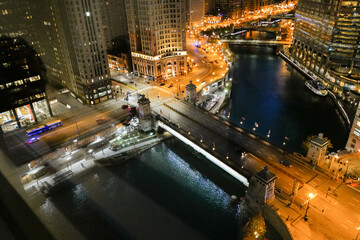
point(23, 100)
point(353, 143)
point(326, 41)
point(157, 37)
point(71, 43)
point(114, 20)
point(209, 6)
point(231, 8)
point(195, 12)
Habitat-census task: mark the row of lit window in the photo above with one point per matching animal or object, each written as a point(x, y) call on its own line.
point(26, 100)
point(20, 82)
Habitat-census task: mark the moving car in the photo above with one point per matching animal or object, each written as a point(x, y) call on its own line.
point(124, 106)
point(33, 140)
point(101, 121)
point(286, 163)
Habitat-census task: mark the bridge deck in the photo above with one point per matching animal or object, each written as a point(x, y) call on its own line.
point(257, 42)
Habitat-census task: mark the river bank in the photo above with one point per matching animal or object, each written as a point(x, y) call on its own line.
point(275, 100)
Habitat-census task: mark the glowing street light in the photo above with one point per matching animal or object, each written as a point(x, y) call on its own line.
point(357, 234)
point(242, 120)
point(311, 196)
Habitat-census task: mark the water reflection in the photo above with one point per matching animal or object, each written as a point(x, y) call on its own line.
point(273, 94)
point(164, 193)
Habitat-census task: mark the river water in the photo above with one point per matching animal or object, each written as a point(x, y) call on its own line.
point(167, 192)
point(270, 92)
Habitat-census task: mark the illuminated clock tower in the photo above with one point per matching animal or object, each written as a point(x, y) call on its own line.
point(353, 143)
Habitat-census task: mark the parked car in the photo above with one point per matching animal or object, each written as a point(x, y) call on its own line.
point(101, 121)
point(286, 163)
point(162, 84)
point(124, 106)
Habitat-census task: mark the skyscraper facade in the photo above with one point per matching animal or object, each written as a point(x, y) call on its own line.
point(231, 8)
point(23, 99)
point(353, 143)
point(157, 37)
point(326, 41)
point(195, 11)
point(71, 43)
point(114, 20)
point(209, 6)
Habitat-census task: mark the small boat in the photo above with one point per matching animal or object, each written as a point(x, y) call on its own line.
point(316, 87)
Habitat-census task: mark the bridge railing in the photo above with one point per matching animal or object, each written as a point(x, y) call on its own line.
point(205, 146)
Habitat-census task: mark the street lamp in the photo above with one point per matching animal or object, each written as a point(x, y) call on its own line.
point(311, 196)
point(347, 167)
point(77, 128)
point(357, 234)
point(242, 120)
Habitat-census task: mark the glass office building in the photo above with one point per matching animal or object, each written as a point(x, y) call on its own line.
point(326, 41)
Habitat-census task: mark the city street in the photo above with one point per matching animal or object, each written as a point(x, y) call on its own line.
point(80, 120)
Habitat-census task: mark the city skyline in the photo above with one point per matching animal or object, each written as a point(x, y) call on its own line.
point(216, 119)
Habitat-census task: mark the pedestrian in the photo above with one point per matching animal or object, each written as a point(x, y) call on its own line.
point(287, 219)
point(82, 165)
point(322, 211)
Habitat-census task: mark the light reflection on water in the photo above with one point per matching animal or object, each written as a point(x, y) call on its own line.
point(273, 95)
point(165, 186)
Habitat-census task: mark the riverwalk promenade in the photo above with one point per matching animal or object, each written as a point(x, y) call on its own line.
point(67, 166)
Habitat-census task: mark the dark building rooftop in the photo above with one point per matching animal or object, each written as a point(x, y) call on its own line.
point(265, 175)
point(143, 100)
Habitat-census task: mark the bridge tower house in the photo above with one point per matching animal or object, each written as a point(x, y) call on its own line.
point(144, 112)
point(317, 149)
point(191, 92)
point(261, 190)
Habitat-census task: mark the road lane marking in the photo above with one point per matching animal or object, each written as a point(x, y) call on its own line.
point(300, 170)
point(355, 200)
point(296, 173)
point(350, 221)
point(352, 204)
point(344, 226)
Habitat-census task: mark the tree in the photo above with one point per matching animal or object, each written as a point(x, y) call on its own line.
point(255, 228)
